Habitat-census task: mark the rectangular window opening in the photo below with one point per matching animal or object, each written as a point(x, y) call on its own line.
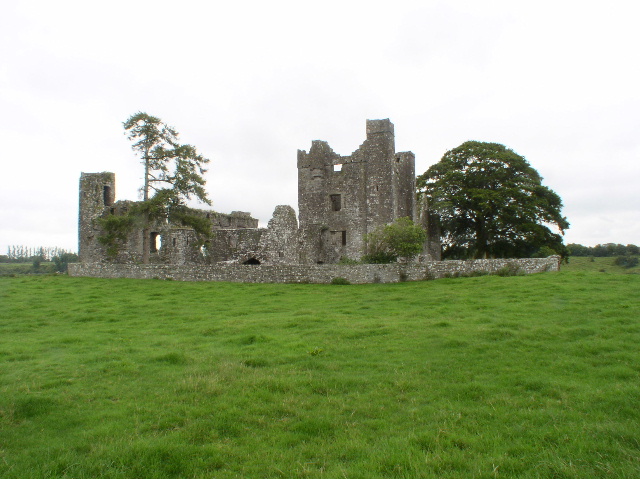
point(106, 195)
point(155, 242)
point(339, 238)
point(337, 167)
point(336, 202)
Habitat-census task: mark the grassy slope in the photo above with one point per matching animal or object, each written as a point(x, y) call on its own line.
point(601, 265)
point(532, 376)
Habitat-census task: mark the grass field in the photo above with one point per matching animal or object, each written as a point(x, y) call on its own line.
point(530, 377)
point(12, 269)
point(600, 265)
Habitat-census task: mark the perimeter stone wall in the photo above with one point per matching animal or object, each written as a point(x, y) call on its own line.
point(288, 273)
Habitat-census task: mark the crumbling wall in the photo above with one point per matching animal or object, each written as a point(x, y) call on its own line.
point(288, 273)
point(280, 242)
point(232, 234)
point(97, 193)
point(343, 198)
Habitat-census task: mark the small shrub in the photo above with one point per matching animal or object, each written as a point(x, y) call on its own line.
point(36, 265)
point(348, 261)
point(379, 258)
point(510, 269)
point(316, 351)
point(62, 261)
point(400, 239)
point(340, 281)
point(474, 274)
point(627, 261)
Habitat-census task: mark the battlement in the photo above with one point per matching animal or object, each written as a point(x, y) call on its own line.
point(379, 126)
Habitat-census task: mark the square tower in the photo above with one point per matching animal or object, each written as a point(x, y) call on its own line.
point(342, 198)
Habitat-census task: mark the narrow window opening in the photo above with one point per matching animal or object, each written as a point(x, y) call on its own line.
point(337, 167)
point(336, 202)
point(106, 195)
point(112, 211)
point(339, 238)
point(175, 241)
point(155, 242)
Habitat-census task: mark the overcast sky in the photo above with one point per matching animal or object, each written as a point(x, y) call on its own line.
point(250, 82)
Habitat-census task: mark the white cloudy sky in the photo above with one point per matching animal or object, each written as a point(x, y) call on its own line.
point(250, 82)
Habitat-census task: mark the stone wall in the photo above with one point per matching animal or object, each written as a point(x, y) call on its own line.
point(287, 273)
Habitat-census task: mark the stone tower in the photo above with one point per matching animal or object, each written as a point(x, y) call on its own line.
point(97, 192)
point(342, 198)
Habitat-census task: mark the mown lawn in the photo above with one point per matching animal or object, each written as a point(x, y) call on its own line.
point(528, 377)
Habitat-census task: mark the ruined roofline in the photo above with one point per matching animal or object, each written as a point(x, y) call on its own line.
point(108, 179)
point(320, 149)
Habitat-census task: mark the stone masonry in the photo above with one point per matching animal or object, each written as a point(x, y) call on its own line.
point(340, 200)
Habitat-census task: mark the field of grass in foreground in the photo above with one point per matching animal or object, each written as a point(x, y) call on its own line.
point(528, 377)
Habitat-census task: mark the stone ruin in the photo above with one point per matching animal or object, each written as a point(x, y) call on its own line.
point(340, 200)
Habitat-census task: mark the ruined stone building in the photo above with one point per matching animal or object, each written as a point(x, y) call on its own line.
point(340, 200)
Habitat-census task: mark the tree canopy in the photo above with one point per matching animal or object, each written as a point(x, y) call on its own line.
point(491, 203)
point(171, 170)
point(172, 176)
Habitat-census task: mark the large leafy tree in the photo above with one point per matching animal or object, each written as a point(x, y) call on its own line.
point(491, 203)
point(172, 176)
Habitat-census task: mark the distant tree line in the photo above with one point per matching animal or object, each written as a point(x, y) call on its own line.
point(24, 254)
point(602, 250)
point(60, 258)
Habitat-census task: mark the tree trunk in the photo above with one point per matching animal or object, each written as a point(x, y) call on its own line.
point(146, 233)
point(145, 197)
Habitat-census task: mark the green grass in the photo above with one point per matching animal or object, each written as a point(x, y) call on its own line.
point(12, 269)
point(601, 265)
point(529, 377)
